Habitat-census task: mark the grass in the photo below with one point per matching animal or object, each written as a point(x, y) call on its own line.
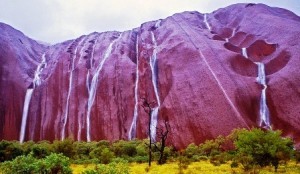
point(194, 168)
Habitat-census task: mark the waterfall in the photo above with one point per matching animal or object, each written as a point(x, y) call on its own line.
point(153, 67)
point(25, 113)
point(244, 52)
point(93, 87)
point(80, 116)
point(37, 79)
point(232, 34)
point(132, 131)
point(36, 82)
point(65, 118)
point(264, 120)
point(206, 22)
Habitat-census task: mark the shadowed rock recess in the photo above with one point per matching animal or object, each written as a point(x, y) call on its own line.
point(206, 74)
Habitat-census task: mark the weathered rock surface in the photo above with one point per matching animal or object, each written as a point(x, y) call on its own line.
point(205, 84)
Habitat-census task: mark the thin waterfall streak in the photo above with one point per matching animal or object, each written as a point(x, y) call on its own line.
point(154, 114)
point(93, 87)
point(206, 22)
point(132, 130)
point(222, 89)
point(244, 52)
point(65, 117)
point(79, 117)
point(261, 78)
point(79, 129)
point(37, 79)
point(232, 34)
point(264, 120)
point(36, 82)
point(89, 89)
point(153, 65)
point(87, 81)
point(25, 113)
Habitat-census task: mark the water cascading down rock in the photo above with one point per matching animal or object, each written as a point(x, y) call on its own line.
point(153, 65)
point(264, 119)
point(184, 63)
point(92, 89)
point(132, 130)
point(264, 116)
point(35, 83)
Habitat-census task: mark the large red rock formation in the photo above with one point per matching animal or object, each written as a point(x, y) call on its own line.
point(206, 84)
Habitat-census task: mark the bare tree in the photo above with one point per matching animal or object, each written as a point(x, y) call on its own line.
point(148, 109)
point(162, 135)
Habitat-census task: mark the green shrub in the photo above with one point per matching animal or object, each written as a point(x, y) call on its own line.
point(141, 149)
point(52, 164)
point(57, 163)
point(209, 147)
point(21, 164)
point(258, 147)
point(40, 150)
point(83, 150)
point(195, 158)
point(125, 148)
point(191, 150)
point(106, 156)
point(65, 147)
point(10, 150)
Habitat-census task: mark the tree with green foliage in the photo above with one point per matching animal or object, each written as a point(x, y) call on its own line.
point(262, 147)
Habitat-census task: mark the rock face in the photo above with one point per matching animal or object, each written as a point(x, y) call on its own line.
point(199, 72)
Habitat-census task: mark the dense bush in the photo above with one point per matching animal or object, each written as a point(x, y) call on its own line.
point(65, 147)
point(52, 164)
point(259, 147)
point(21, 164)
point(10, 150)
point(248, 148)
point(125, 148)
point(83, 150)
point(191, 150)
point(57, 163)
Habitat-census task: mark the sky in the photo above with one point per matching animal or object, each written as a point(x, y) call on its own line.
point(54, 21)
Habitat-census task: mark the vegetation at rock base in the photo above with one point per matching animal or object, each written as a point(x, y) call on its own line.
point(263, 148)
point(52, 164)
point(250, 151)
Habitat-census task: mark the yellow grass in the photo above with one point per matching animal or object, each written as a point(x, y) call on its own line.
point(194, 168)
point(78, 168)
